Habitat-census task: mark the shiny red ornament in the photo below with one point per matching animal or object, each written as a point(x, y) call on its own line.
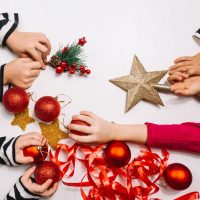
point(47, 108)
point(63, 64)
point(59, 70)
point(71, 71)
point(15, 100)
point(39, 153)
point(78, 122)
point(82, 41)
point(47, 170)
point(117, 154)
point(87, 71)
point(178, 176)
point(82, 68)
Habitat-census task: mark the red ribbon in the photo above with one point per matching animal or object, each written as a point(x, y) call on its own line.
point(139, 177)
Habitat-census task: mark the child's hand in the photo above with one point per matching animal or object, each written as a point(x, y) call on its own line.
point(99, 131)
point(34, 45)
point(21, 72)
point(177, 77)
point(188, 87)
point(42, 190)
point(189, 65)
point(27, 140)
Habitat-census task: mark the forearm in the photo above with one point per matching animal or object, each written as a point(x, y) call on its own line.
point(19, 192)
point(131, 133)
point(7, 151)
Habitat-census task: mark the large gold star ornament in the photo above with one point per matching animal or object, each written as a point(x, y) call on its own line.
point(139, 85)
point(52, 133)
point(22, 119)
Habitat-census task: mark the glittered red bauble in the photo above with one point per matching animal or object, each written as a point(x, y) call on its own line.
point(178, 176)
point(39, 153)
point(15, 100)
point(47, 170)
point(47, 108)
point(117, 154)
point(78, 122)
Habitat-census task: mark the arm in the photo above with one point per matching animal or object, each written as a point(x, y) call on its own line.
point(8, 23)
point(185, 137)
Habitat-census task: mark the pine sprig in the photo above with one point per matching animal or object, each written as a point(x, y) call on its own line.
point(70, 59)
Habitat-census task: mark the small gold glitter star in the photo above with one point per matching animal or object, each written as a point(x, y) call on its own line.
point(52, 133)
point(140, 84)
point(22, 119)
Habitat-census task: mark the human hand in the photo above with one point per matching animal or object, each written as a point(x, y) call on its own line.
point(189, 65)
point(42, 190)
point(27, 140)
point(21, 72)
point(188, 87)
point(98, 131)
point(34, 45)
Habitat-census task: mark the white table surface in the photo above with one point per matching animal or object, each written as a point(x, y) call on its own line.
point(156, 31)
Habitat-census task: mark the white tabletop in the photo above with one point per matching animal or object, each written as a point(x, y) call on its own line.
point(156, 31)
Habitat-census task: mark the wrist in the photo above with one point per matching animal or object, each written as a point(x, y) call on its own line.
point(6, 75)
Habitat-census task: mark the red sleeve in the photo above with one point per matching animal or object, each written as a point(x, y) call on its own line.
point(184, 137)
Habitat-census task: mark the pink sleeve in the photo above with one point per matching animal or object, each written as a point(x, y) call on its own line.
point(184, 137)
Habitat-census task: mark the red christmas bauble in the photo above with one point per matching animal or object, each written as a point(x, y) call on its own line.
point(59, 70)
point(178, 176)
point(47, 108)
point(39, 153)
point(78, 122)
point(47, 170)
point(117, 154)
point(15, 100)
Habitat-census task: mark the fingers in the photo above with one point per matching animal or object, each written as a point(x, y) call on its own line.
point(27, 160)
point(84, 118)
point(43, 49)
point(34, 74)
point(80, 128)
point(184, 58)
point(177, 76)
point(28, 173)
point(81, 139)
point(50, 191)
point(88, 113)
point(180, 64)
point(41, 188)
point(36, 56)
point(45, 41)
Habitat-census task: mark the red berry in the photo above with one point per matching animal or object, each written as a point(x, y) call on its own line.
point(63, 64)
point(74, 65)
point(82, 72)
point(71, 71)
point(64, 50)
point(82, 41)
point(59, 70)
point(82, 68)
point(67, 68)
point(87, 71)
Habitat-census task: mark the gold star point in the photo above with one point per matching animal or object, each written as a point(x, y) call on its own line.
point(53, 133)
point(22, 119)
point(139, 85)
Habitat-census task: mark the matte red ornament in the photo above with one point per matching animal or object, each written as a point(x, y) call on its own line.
point(47, 170)
point(39, 153)
point(15, 100)
point(178, 176)
point(47, 108)
point(117, 154)
point(78, 122)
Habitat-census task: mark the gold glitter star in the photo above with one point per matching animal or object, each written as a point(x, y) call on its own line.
point(22, 119)
point(52, 133)
point(139, 84)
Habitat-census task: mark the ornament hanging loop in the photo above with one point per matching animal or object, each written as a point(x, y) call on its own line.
point(63, 99)
point(33, 96)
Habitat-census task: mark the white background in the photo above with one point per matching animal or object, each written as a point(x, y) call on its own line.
point(156, 31)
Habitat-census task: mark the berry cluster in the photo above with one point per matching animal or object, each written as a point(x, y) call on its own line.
point(69, 59)
point(63, 67)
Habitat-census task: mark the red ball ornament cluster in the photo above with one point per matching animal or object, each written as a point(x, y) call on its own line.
point(178, 176)
point(117, 154)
